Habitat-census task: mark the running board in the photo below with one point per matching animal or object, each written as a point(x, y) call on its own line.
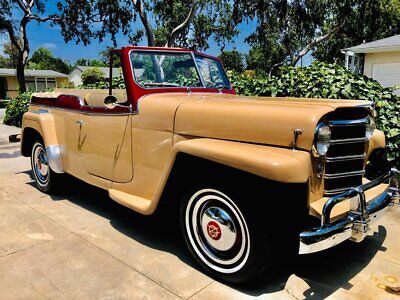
point(136, 203)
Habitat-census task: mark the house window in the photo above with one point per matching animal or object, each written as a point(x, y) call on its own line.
point(30, 84)
point(51, 83)
point(40, 84)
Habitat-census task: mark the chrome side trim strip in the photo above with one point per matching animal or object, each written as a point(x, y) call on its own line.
point(345, 158)
point(345, 174)
point(350, 141)
point(349, 122)
point(54, 157)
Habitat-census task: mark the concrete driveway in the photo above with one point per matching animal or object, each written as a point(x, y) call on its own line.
point(81, 244)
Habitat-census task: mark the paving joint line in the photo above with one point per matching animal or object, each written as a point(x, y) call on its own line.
point(102, 250)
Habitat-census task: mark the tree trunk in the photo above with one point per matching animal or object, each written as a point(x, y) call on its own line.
point(21, 74)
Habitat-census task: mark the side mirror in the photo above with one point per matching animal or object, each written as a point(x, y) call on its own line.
point(110, 102)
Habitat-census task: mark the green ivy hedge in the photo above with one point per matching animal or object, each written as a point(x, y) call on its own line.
point(16, 108)
point(329, 81)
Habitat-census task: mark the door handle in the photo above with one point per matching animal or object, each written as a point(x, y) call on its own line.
point(80, 122)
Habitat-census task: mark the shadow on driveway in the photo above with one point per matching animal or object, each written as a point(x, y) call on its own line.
point(325, 272)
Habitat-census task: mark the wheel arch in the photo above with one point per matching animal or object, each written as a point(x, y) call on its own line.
point(29, 136)
point(179, 178)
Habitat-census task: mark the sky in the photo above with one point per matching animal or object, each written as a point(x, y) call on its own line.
point(43, 35)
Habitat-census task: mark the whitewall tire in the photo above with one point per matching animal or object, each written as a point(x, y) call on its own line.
point(45, 179)
point(221, 235)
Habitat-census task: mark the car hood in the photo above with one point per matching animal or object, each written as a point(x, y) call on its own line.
point(261, 120)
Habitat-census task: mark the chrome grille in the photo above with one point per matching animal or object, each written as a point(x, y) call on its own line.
point(345, 167)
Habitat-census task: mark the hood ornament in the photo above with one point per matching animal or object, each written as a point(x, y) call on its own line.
point(296, 133)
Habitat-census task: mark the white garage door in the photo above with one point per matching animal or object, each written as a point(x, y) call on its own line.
point(388, 75)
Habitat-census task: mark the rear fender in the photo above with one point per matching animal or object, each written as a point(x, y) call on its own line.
point(42, 122)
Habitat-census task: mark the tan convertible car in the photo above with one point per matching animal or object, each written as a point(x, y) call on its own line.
point(253, 176)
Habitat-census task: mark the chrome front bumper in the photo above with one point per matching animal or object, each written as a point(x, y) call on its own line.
point(356, 225)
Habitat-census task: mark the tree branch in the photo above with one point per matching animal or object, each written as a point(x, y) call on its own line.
point(312, 45)
point(8, 26)
point(23, 6)
point(45, 19)
point(145, 21)
point(178, 29)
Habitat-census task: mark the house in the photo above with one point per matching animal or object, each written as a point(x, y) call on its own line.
point(75, 76)
point(379, 60)
point(36, 80)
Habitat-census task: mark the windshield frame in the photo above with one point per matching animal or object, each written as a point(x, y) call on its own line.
point(193, 55)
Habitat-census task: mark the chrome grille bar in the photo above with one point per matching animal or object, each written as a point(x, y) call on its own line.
point(344, 174)
point(350, 141)
point(344, 158)
point(349, 122)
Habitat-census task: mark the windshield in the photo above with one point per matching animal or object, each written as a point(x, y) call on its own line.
point(177, 69)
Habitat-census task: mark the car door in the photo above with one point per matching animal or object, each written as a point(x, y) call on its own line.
point(105, 143)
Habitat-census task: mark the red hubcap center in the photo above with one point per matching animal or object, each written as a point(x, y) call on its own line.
point(213, 230)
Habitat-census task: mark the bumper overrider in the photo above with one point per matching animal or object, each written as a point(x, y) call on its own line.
point(357, 223)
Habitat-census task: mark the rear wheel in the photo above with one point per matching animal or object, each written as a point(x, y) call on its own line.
point(223, 235)
point(45, 179)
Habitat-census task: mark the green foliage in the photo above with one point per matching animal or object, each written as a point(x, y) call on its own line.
point(367, 20)
point(330, 81)
point(16, 109)
point(92, 76)
point(10, 57)
point(90, 63)
point(117, 83)
point(43, 59)
point(86, 20)
point(233, 60)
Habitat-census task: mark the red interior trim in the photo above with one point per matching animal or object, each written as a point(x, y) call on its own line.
point(73, 102)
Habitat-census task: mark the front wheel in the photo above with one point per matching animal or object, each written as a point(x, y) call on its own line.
point(46, 180)
point(223, 236)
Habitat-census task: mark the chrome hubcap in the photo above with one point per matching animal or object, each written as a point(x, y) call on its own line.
point(218, 228)
point(40, 164)
point(217, 231)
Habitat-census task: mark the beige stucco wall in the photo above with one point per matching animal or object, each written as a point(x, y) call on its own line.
point(13, 86)
point(379, 58)
point(62, 82)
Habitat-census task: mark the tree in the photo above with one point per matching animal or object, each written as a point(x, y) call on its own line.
point(233, 60)
point(43, 59)
point(184, 23)
point(15, 15)
point(10, 57)
point(90, 62)
point(92, 76)
point(361, 25)
point(286, 30)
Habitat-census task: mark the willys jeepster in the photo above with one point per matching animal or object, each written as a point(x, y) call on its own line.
point(251, 177)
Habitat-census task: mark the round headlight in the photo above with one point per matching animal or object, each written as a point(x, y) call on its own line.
point(370, 127)
point(322, 139)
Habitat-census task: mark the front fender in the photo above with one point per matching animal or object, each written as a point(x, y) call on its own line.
point(274, 163)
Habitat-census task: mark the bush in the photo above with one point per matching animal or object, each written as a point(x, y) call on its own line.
point(329, 81)
point(117, 83)
point(92, 76)
point(16, 109)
